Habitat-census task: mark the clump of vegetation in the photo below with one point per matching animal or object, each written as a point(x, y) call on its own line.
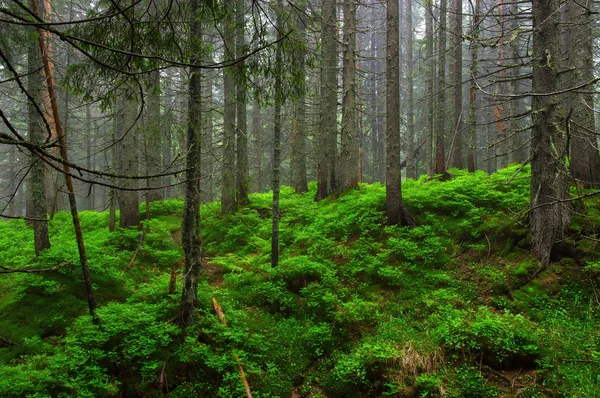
point(355, 307)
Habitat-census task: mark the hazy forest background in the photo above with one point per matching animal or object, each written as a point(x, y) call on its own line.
point(406, 191)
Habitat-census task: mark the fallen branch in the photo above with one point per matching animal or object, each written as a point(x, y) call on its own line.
point(136, 253)
point(6, 342)
point(223, 320)
point(6, 270)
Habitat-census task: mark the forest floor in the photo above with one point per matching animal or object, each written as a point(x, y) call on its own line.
point(454, 307)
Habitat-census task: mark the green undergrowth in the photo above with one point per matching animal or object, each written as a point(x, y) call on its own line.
point(454, 307)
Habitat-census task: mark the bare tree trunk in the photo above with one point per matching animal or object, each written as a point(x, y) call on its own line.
point(257, 129)
point(190, 224)
point(228, 201)
point(411, 159)
point(457, 125)
point(127, 161)
point(35, 126)
point(277, 141)
point(585, 161)
point(440, 151)
point(242, 175)
point(516, 141)
point(429, 94)
point(67, 172)
point(473, 88)
point(348, 154)
point(300, 181)
point(395, 210)
point(327, 134)
point(153, 139)
point(550, 213)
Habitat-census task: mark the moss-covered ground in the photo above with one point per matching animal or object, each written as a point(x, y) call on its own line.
point(454, 307)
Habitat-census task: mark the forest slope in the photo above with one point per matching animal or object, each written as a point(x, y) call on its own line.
point(454, 307)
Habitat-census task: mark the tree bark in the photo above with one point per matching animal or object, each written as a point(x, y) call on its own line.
point(327, 134)
point(348, 154)
point(35, 126)
point(228, 188)
point(473, 88)
point(411, 159)
point(429, 94)
point(550, 213)
point(440, 151)
point(457, 122)
point(190, 224)
point(277, 140)
point(242, 175)
point(585, 160)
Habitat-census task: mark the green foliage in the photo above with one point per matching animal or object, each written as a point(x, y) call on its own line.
point(354, 309)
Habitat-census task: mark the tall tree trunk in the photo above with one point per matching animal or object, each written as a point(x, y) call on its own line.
point(517, 147)
point(35, 127)
point(393, 192)
point(550, 213)
point(429, 94)
point(228, 201)
point(327, 134)
point(153, 141)
point(501, 87)
point(242, 175)
point(190, 223)
point(457, 125)
point(127, 161)
point(440, 151)
point(300, 181)
point(277, 140)
point(257, 130)
point(348, 154)
point(473, 88)
point(585, 161)
point(49, 74)
point(411, 159)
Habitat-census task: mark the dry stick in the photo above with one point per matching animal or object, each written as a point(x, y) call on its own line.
point(69, 181)
point(222, 319)
point(136, 253)
point(5, 270)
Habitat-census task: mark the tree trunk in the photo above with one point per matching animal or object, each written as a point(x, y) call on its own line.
point(348, 154)
point(228, 201)
point(327, 134)
point(127, 161)
point(190, 224)
point(393, 192)
point(300, 181)
point(457, 123)
point(440, 151)
point(473, 88)
point(429, 94)
point(36, 126)
point(411, 159)
point(277, 141)
point(550, 213)
point(153, 141)
point(242, 176)
point(585, 161)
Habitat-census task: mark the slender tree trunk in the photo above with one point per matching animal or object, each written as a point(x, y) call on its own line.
point(473, 88)
point(550, 213)
point(517, 108)
point(277, 141)
point(257, 129)
point(154, 139)
point(190, 224)
point(242, 175)
point(49, 73)
point(393, 192)
point(327, 134)
point(36, 189)
point(440, 155)
point(300, 181)
point(429, 94)
point(228, 200)
point(457, 125)
point(348, 154)
point(411, 159)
